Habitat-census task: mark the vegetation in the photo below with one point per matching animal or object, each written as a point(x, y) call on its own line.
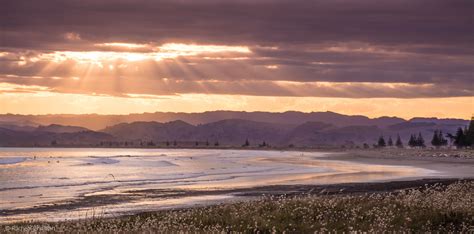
point(464, 137)
point(416, 141)
point(399, 142)
point(381, 142)
point(437, 208)
point(390, 141)
point(438, 139)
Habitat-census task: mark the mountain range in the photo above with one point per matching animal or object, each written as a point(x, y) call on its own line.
point(227, 128)
point(98, 122)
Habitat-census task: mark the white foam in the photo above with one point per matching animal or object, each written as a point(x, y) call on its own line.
point(164, 164)
point(100, 160)
point(12, 160)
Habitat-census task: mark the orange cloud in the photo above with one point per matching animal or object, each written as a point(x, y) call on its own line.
point(43, 101)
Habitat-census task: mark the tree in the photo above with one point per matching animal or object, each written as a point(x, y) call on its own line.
point(381, 142)
point(470, 133)
point(443, 141)
point(464, 137)
point(412, 141)
point(390, 142)
point(420, 141)
point(246, 143)
point(459, 138)
point(217, 143)
point(175, 143)
point(451, 137)
point(399, 143)
point(436, 141)
point(196, 143)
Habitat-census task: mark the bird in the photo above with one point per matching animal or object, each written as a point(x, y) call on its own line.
point(112, 176)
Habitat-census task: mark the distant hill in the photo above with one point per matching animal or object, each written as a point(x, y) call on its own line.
point(410, 126)
point(234, 132)
point(439, 121)
point(18, 125)
point(96, 122)
point(231, 131)
point(174, 130)
point(51, 135)
point(229, 128)
point(56, 128)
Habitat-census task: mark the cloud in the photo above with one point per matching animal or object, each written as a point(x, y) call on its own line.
point(339, 48)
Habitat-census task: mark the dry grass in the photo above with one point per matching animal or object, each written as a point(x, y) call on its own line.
point(435, 208)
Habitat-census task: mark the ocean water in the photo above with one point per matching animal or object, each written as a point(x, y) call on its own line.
point(71, 183)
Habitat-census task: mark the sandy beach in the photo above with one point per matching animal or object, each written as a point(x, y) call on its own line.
point(175, 179)
point(450, 163)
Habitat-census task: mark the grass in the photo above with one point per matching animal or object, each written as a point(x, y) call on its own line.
point(438, 208)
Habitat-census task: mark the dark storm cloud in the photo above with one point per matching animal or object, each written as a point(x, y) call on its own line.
point(435, 22)
point(398, 41)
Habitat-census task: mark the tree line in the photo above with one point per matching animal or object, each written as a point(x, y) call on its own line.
point(381, 142)
point(463, 138)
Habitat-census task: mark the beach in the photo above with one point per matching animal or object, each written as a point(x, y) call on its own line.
point(131, 181)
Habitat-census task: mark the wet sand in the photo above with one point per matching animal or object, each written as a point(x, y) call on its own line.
point(210, 197)
point(448, 163)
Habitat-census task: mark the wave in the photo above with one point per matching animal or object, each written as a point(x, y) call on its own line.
point(12, 160)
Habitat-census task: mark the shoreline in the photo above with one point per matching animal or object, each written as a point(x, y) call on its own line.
point(276, 201)
point(239, 195)
point(459, 167)
point(388, 152)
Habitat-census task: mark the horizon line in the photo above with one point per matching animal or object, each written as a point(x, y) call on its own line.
point(241, 111)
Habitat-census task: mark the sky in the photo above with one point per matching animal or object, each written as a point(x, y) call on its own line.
point(401, 58)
